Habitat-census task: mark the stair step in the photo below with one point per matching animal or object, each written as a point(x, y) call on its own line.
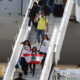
point(52, 22)
point(29, 76)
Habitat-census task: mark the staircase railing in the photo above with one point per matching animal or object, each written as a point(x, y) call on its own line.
point(56, 42)
point(49, 58)
point(62, 29)
point(23, 34)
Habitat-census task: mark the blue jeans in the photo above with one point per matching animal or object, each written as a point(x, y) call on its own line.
point(40, 32)
point(30, 21)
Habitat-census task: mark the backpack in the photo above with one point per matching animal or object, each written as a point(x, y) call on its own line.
point(39, 19)
point(42, 2)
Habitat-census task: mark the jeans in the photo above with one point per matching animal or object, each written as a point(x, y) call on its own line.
point(30, 20)
point(40, 32)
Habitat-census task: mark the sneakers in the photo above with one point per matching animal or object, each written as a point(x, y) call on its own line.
point(29, 28)
point(32, 75)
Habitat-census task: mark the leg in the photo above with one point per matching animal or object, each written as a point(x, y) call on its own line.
point(30, 67)
point(43, 60)
point(34, 65)
point(35, 25)
point(29, 23)
point(42, 33)
point(24, 66)
point(38, 36)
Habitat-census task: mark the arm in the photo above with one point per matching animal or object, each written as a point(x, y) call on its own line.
point(21, 52)
point(35, 20)
point(47, 27)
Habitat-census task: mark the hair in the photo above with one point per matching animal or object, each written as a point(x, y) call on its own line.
point(35, 3)
point(20, 74)
point(35, 49)
point(24, 42)
point(42, 11)
point(46, 37)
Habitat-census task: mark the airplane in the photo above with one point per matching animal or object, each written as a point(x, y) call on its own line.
point(11, 16)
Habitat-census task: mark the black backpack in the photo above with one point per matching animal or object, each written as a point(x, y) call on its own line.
point(44, 19)
point(46, 10)
point(42, 2)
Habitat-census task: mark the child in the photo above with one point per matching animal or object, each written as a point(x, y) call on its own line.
point(44, 48)
point(33, 65)
point(25, 50)
point(20, 76)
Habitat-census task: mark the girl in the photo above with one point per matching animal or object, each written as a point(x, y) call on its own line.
point(25, 50)
point(33, 65)
point(44, 48)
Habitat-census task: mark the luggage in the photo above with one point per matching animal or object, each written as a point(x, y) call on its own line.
point(42, 2)
point(58, 10)
point(45, 9)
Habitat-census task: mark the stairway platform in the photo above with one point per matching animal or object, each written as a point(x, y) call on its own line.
point(29, 76)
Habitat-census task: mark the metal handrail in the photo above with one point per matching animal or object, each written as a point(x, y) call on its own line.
point(23, 34)
point(49, 58)
point(62, 29)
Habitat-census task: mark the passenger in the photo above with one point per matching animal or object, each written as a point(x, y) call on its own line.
point(25, 50)
point(42, 24)
point(20, 77)
point(45, 9)
point(51, 4)
point(33, 65)
point(44, 48)
point(41, 2)
point(58, 8)
point(32, 14)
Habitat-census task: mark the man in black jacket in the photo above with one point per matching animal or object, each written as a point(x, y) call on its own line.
point(20, 77)
point(32, 14)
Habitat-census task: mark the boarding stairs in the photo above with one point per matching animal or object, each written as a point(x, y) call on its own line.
point(57, 30)
point(32, 37)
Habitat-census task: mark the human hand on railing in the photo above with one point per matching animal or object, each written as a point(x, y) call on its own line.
point(29, 9)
